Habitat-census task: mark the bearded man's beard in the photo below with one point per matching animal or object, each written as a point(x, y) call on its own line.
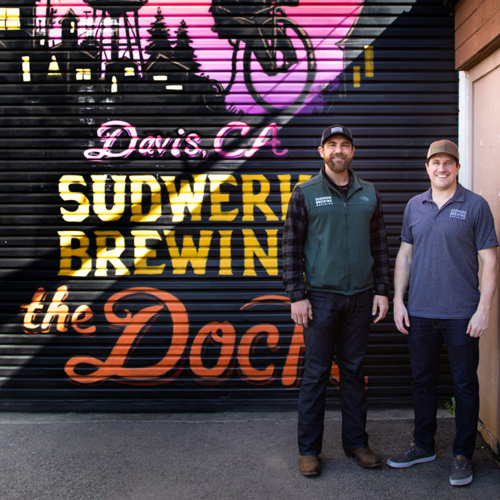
point(337, 166)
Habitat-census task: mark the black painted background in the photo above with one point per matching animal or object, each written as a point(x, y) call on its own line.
point(411, 100)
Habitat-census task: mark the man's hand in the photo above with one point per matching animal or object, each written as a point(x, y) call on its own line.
point(478, 324)
point(302, 312)
point(402, 273)
point(380, 305)
point(401, 318)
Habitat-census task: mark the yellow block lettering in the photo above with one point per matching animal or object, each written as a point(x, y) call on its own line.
point(142, 253)
point(191, 199)
point(254, 249)
point(112, 254)
point(83, 208)
point(189, 252)
point(217, 198)
point(225, 266)
point(136, 187)
point(68, 253)
point(251, 199)
point(99, 188)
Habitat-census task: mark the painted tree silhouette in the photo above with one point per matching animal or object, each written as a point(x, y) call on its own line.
point(183, 51)
point(159, 41)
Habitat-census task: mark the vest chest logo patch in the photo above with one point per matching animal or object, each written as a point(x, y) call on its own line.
point(458, 214)
point(324, 200)
point(364, 198)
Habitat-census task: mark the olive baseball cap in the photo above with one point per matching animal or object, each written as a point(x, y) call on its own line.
point(334, 130)
point(443, 146)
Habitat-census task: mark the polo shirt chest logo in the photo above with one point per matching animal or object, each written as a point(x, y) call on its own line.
point(458, 214)
point(324, 200)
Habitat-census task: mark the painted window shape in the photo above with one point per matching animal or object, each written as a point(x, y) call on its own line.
point(54, 70)
point(10, 19)
point(83, 74)
point(26, 65)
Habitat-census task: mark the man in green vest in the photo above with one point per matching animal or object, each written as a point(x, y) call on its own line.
point(336, 273)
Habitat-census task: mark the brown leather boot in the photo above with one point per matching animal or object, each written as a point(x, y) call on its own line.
point(364, 457)
point(309, 465)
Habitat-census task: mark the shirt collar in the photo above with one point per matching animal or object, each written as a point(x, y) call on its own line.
point(352, 178)
point(459, 195)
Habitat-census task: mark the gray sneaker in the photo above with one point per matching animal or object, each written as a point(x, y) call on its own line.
point(461, 471)
point(411, 456)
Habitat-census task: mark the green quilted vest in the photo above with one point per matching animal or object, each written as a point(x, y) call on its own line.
point(337, 248)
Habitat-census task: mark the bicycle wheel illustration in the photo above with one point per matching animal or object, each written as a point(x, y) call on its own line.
point(214, 98)
point(279, 69)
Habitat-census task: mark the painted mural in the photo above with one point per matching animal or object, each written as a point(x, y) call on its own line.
point(266, 60)
point(164, 141)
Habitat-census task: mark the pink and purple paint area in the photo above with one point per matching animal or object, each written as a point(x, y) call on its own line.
point(309, 58)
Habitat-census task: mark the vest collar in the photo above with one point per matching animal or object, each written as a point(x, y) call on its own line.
point(355, 185)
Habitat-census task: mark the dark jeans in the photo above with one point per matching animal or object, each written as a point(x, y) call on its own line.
point(425, 340)
point(340, 326)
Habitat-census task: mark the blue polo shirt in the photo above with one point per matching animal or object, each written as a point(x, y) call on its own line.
point(444, 279)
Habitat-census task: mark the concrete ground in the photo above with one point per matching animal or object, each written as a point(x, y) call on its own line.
point(217, 456)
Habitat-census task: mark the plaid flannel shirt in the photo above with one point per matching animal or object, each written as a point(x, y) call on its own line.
point(294, 235)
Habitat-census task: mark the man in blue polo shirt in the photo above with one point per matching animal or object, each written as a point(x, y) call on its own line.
point(445, 230)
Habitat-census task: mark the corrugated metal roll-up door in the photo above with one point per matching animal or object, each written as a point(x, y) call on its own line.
point(148, 152)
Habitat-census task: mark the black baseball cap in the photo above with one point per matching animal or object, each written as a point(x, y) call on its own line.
point(334, 130)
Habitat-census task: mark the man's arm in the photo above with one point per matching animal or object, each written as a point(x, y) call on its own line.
point(402, 272)
point(294, 234)
point(478, 325)
point(381, 268)
point(380, 252)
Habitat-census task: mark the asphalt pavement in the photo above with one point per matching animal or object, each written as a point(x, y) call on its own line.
point(218, 456)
